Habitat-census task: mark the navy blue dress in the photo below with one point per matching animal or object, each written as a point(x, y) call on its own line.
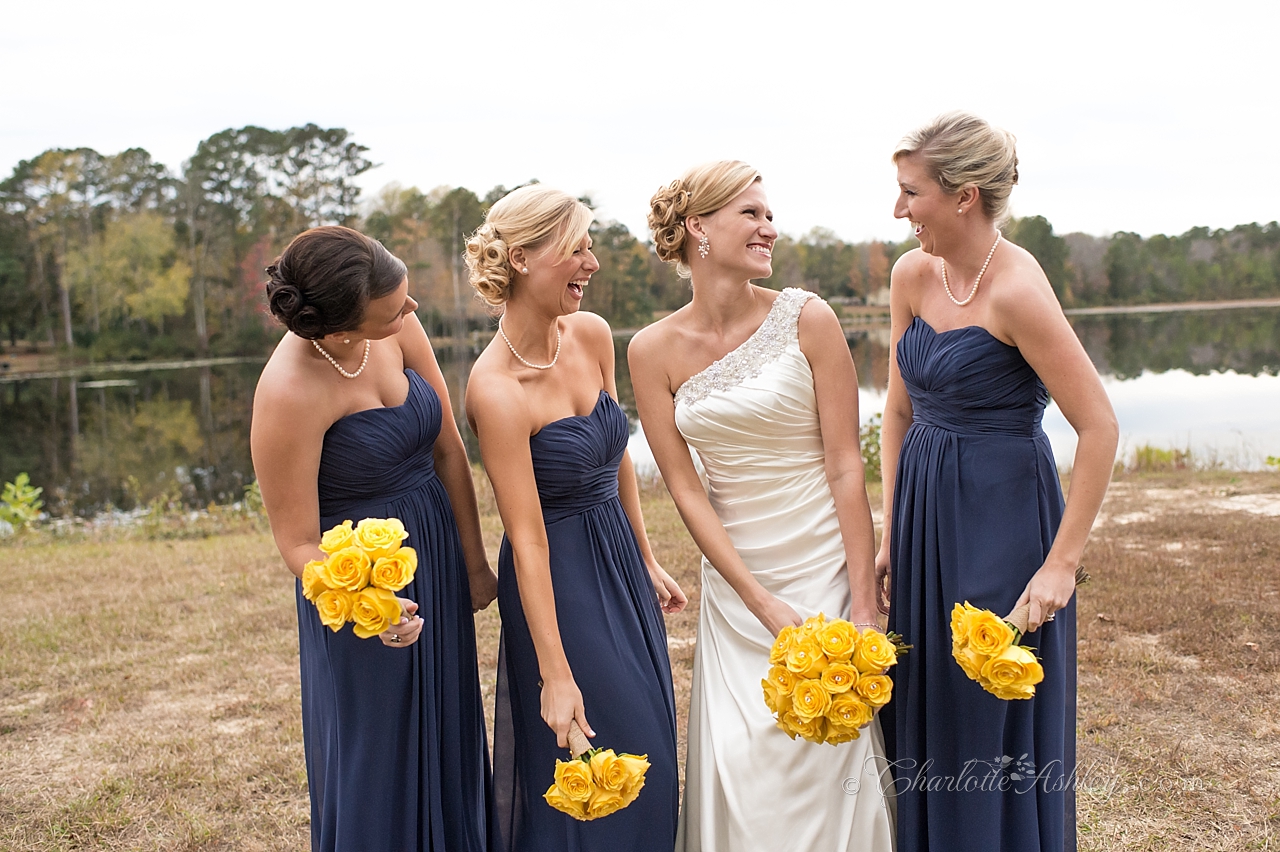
point(976, 505)
point(613, 636)
point(397, 758)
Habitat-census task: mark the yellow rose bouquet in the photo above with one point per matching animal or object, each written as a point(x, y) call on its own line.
point(827, 679)
point(988, 648)
point(357, 581)
point(595, 782)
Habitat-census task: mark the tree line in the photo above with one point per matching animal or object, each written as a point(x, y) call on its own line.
point(119, 256)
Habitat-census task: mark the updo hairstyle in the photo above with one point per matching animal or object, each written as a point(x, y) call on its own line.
point(325, 278)
point(962, 150)
point(702, 190)
point(532, 217)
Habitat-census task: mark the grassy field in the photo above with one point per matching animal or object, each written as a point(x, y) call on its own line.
point(149, 684)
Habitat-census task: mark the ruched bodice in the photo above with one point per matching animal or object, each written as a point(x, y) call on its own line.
point(380, 453)
point(575, 459)
point(752, 418)
point(965, 380)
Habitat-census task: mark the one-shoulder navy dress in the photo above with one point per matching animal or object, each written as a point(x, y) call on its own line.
point(976, 505)
point(397, 759)
point(613, 636)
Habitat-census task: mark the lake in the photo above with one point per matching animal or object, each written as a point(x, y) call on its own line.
point(1204, 381)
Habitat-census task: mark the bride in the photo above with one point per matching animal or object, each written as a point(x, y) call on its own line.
point(761, 384)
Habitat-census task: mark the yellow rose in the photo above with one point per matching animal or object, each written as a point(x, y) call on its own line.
point(777, 689)
point(573, 777)
point(604, 802)
point(607, 772)
point(778, 653)
point(373, 611)
point(334, 607)
point(635, 765)
point(875, 652)
point(971, 661)
point(876, 690)
point(961, 617)
point(809, 699)
point(805, 657)
point(380, 537)
point(347, 569)
point(849, 711)
point(989, 634)
point(313, 580)
point(838, 677)
point(814, 730)
point(1014, 672)
point(338, 538)
point(837, 734)
point(839, 639)
point(559, 800)
point(395, 571)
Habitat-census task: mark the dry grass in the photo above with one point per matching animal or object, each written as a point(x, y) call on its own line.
point(149, 688)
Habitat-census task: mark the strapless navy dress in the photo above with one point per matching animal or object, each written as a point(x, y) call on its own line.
point(614, 638)
point(976, 506)
point(397, 757)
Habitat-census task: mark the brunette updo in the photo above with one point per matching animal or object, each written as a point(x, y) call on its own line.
point(325, 278)
point(533, 217)
point(962, 150)
point(703, 189)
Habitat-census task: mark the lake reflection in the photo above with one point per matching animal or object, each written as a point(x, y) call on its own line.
point(1205, 381)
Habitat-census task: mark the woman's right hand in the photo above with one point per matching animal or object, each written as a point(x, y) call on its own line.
point(776, 614)
point(883, 578)
point(561, 704)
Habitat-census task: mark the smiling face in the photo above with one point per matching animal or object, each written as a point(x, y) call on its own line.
point(384, 316)
point(921, 201)
point(561, 279)
point(741, 234)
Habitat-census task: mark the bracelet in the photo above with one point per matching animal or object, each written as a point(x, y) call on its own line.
point(867, 624)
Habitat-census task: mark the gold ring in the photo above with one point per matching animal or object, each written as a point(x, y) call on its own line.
point(395, 638)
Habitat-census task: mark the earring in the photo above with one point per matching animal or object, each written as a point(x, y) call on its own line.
point(959, 211)
point(346, 340)
point(524, 270)
point(704, 247)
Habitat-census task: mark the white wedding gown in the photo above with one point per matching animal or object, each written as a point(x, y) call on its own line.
point(752, 418)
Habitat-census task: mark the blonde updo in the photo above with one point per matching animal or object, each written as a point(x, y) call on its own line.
point(962, 150)
point(701, 190)
point(533, 217)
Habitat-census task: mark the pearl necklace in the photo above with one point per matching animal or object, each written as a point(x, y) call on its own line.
point(364, 361)
point(520, 357)
point(981, 272)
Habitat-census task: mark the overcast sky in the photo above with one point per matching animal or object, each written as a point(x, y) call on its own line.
point(1136, 116)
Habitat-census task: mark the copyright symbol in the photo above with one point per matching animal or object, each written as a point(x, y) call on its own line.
point(851, 785)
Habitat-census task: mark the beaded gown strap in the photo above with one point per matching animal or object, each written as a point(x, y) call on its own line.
point(779, 330)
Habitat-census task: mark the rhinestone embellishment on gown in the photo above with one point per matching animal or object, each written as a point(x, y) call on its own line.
point(763, 347)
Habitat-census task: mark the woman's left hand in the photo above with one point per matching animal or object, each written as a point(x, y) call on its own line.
point(670, 598)
point(406, 631)
point(484, 587)
point(1049, 591)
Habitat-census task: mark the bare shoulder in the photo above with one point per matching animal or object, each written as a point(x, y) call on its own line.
point(912, 266)
point(493, 394)
point(593, 328)
point(285, 385)
point(1022, 289)
point(656, 338)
